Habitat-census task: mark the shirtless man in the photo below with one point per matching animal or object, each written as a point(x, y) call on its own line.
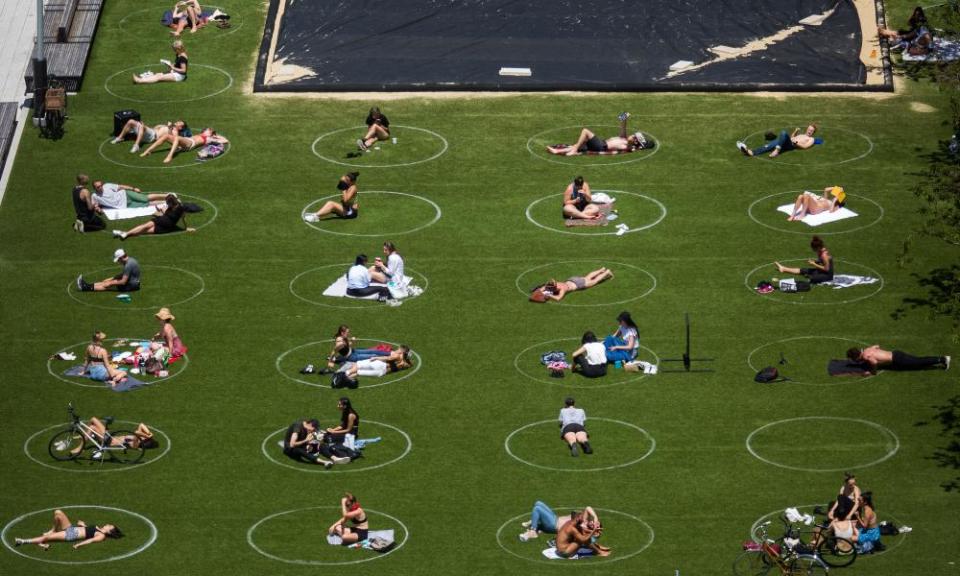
point(580, 532)
point(876, 357)
point(590, 142)
point(783, 142)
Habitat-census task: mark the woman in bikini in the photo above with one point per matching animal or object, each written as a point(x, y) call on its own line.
point(350, 513)
point(821, 269)
point(97, 365)
point(379, 363)
point(176, 70)
point(179, 142)
point(168, 334)
point(555, 291)
point(347, 207)
point(833, 199)
point(162, 222)
point(65, 531)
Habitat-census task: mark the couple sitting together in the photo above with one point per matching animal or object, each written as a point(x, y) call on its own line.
point(592, 357)
point(305, 441)
point(577, 533)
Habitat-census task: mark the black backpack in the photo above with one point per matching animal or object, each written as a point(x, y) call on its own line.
point(341, 380)
point(768, 375)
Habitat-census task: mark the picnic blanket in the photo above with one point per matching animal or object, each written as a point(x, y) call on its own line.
point(605, 211)
point(551, 554)
point(334, 540)
point(848, 280)
point(129, 384)
point(339, 288)
point(821, 218)
point(846, 368)
point(942, 50)
point(128, 213)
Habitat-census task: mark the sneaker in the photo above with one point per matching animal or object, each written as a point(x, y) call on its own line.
point(311, 217)
point(120, 234)
point(526, 524)
point(393, 302)
point(98, 455)
point(340, 460)
point(18, 542)
point(623, 116)
point(742, 147)
point(574, 451)
point(905, 530)
point(361, 144)
point(108, 420)
point(327, 464)
point(528, 535)
point(134, 149)
point(308, 369)
point(78, 225)
point(587, 449)
point(80, 282)
point(946, 362)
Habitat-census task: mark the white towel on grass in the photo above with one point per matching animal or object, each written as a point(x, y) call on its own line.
point(128, 213)
point(848, 280)
point(551, 554)
point(821, 218)
point(339, 288)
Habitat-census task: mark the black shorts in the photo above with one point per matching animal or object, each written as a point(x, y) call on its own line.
point(125, 287)
point(572, 428)
point(816, 276)
point(595, 144)
point(164, 225)
point(361, 534)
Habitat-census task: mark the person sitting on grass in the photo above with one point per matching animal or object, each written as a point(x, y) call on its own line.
point(576, 535)
point(868, 539)
point(378, 128)
point(590, 359)
point(821, 269)
point(389, 271)
point(128, 280)
point(396, 360)
point(97, 364)
point(350, 513)
point(299, 443)
point(624, 344)
point(64, 530)
point(182, 143)
point(119, 196)
point(176, 70)
point(783, 142)
point(349, 422)
point(833, 199)
point(874, 358)
point(555, 291)
point(844, 505)
point(572, 430)
point(578, 202)
point(162, 222)
point(590, 142)
point(543, 520)
point(347, 208)
point(168, 334)
point(916, 40)
point(85, 207)
point(358, 281)
point(187, 12)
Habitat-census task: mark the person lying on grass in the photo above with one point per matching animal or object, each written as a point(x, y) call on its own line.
point(344, 350)
point(352, 526)
point(128, 280)
point(833, 199)
point(396, 360)
point(347, 208)
point(572, 431)
point(578, 202)
point(783, 142)
point(118, 196)
point(590, 359)
point(378, 128)
point(590, 142)
point(821, 269)
point(176, 70)
point(875, 357)
point(555, 291)
point(97, 364)
point(142, 436)
point(543, 520)
point(187, 12)
point(148, 135)
point(182, 143)
point(63, 530)
point(167, 219)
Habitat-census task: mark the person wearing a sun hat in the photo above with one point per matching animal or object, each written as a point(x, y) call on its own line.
point(128, 280)
point(168, 334)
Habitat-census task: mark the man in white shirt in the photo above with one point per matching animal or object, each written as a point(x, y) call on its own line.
point(117, 196)
point(572, 430)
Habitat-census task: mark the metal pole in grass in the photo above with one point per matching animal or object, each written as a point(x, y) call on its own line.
point(39, 69)
point(686, 359)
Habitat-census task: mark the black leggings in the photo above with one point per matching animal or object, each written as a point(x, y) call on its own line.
point(92, 224)
point(382, 292)
point(904, 361)
point(816, 276)
point(590, 370)
point(299, 454)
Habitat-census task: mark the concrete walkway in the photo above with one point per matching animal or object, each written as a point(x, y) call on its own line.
point(17, 30)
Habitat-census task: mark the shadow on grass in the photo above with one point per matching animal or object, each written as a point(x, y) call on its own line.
point(943, 294)
point(948, 417)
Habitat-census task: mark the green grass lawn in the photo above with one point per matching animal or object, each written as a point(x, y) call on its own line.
point(468, 441)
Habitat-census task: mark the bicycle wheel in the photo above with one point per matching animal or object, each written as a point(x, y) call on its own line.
point(752, 563)
point(124, 454)
point(837, 552)
point(66, 445)
point(807, 565)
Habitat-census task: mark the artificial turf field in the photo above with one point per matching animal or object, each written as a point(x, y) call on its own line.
point(672, 475)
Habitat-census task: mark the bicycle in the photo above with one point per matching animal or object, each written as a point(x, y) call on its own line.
point(116, 445)
point(783, 557)
point(55, 110)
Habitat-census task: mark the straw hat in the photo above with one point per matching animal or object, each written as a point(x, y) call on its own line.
point(165, 315)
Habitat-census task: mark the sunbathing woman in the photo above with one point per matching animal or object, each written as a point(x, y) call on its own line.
point(97, 364)
point(168, 334)
point(146, 134)
point(394, 361)
point(180, 143)
point(821, 269)
point(162, 222)
point(344, 350)
point(347, 207)
point(176, 71)
point(590, 142)
point(577, 201)
point(65, 531)
point(833, 199)
point(783, 142)
point(142, 436)
point(378, 128)
point(187, 12)
point(555, 291)
point(350, 513)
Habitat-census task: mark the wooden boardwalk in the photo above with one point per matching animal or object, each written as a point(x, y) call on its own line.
point(68, 30)
point(8, 125)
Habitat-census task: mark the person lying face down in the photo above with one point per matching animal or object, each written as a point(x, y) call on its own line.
point(554, 290)
point(875, 357)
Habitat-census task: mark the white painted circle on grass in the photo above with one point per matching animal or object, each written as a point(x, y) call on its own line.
point(660, 217)
point(118, 468)
point(653, 446)
point(317, 226)
point(771, 516)
point(150, 540)
point(562, 303)
point(879, 286)
point(837, 380)
point(363, 304)
point(883, 429)
point(594, 561)
point(252, 529)
point(620, 158)
point(589, 382)
point(265, 446)
point(183, 359)
point(124, 26)
point(128, 70)
point(810, 230)
point(226, 150)
point(96, 274)
point(360, 129)
point(779, 159)
point(406, 373)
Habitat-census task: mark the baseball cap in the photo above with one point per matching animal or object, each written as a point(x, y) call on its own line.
point(118, 254)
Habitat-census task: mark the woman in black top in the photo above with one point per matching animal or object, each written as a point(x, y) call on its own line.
point(88, 219)
point(349, 421)
point(64, 531)
point(176, 71)
point(163, 222)
point(347, 207)
point(821, 269)
point(378, 128)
